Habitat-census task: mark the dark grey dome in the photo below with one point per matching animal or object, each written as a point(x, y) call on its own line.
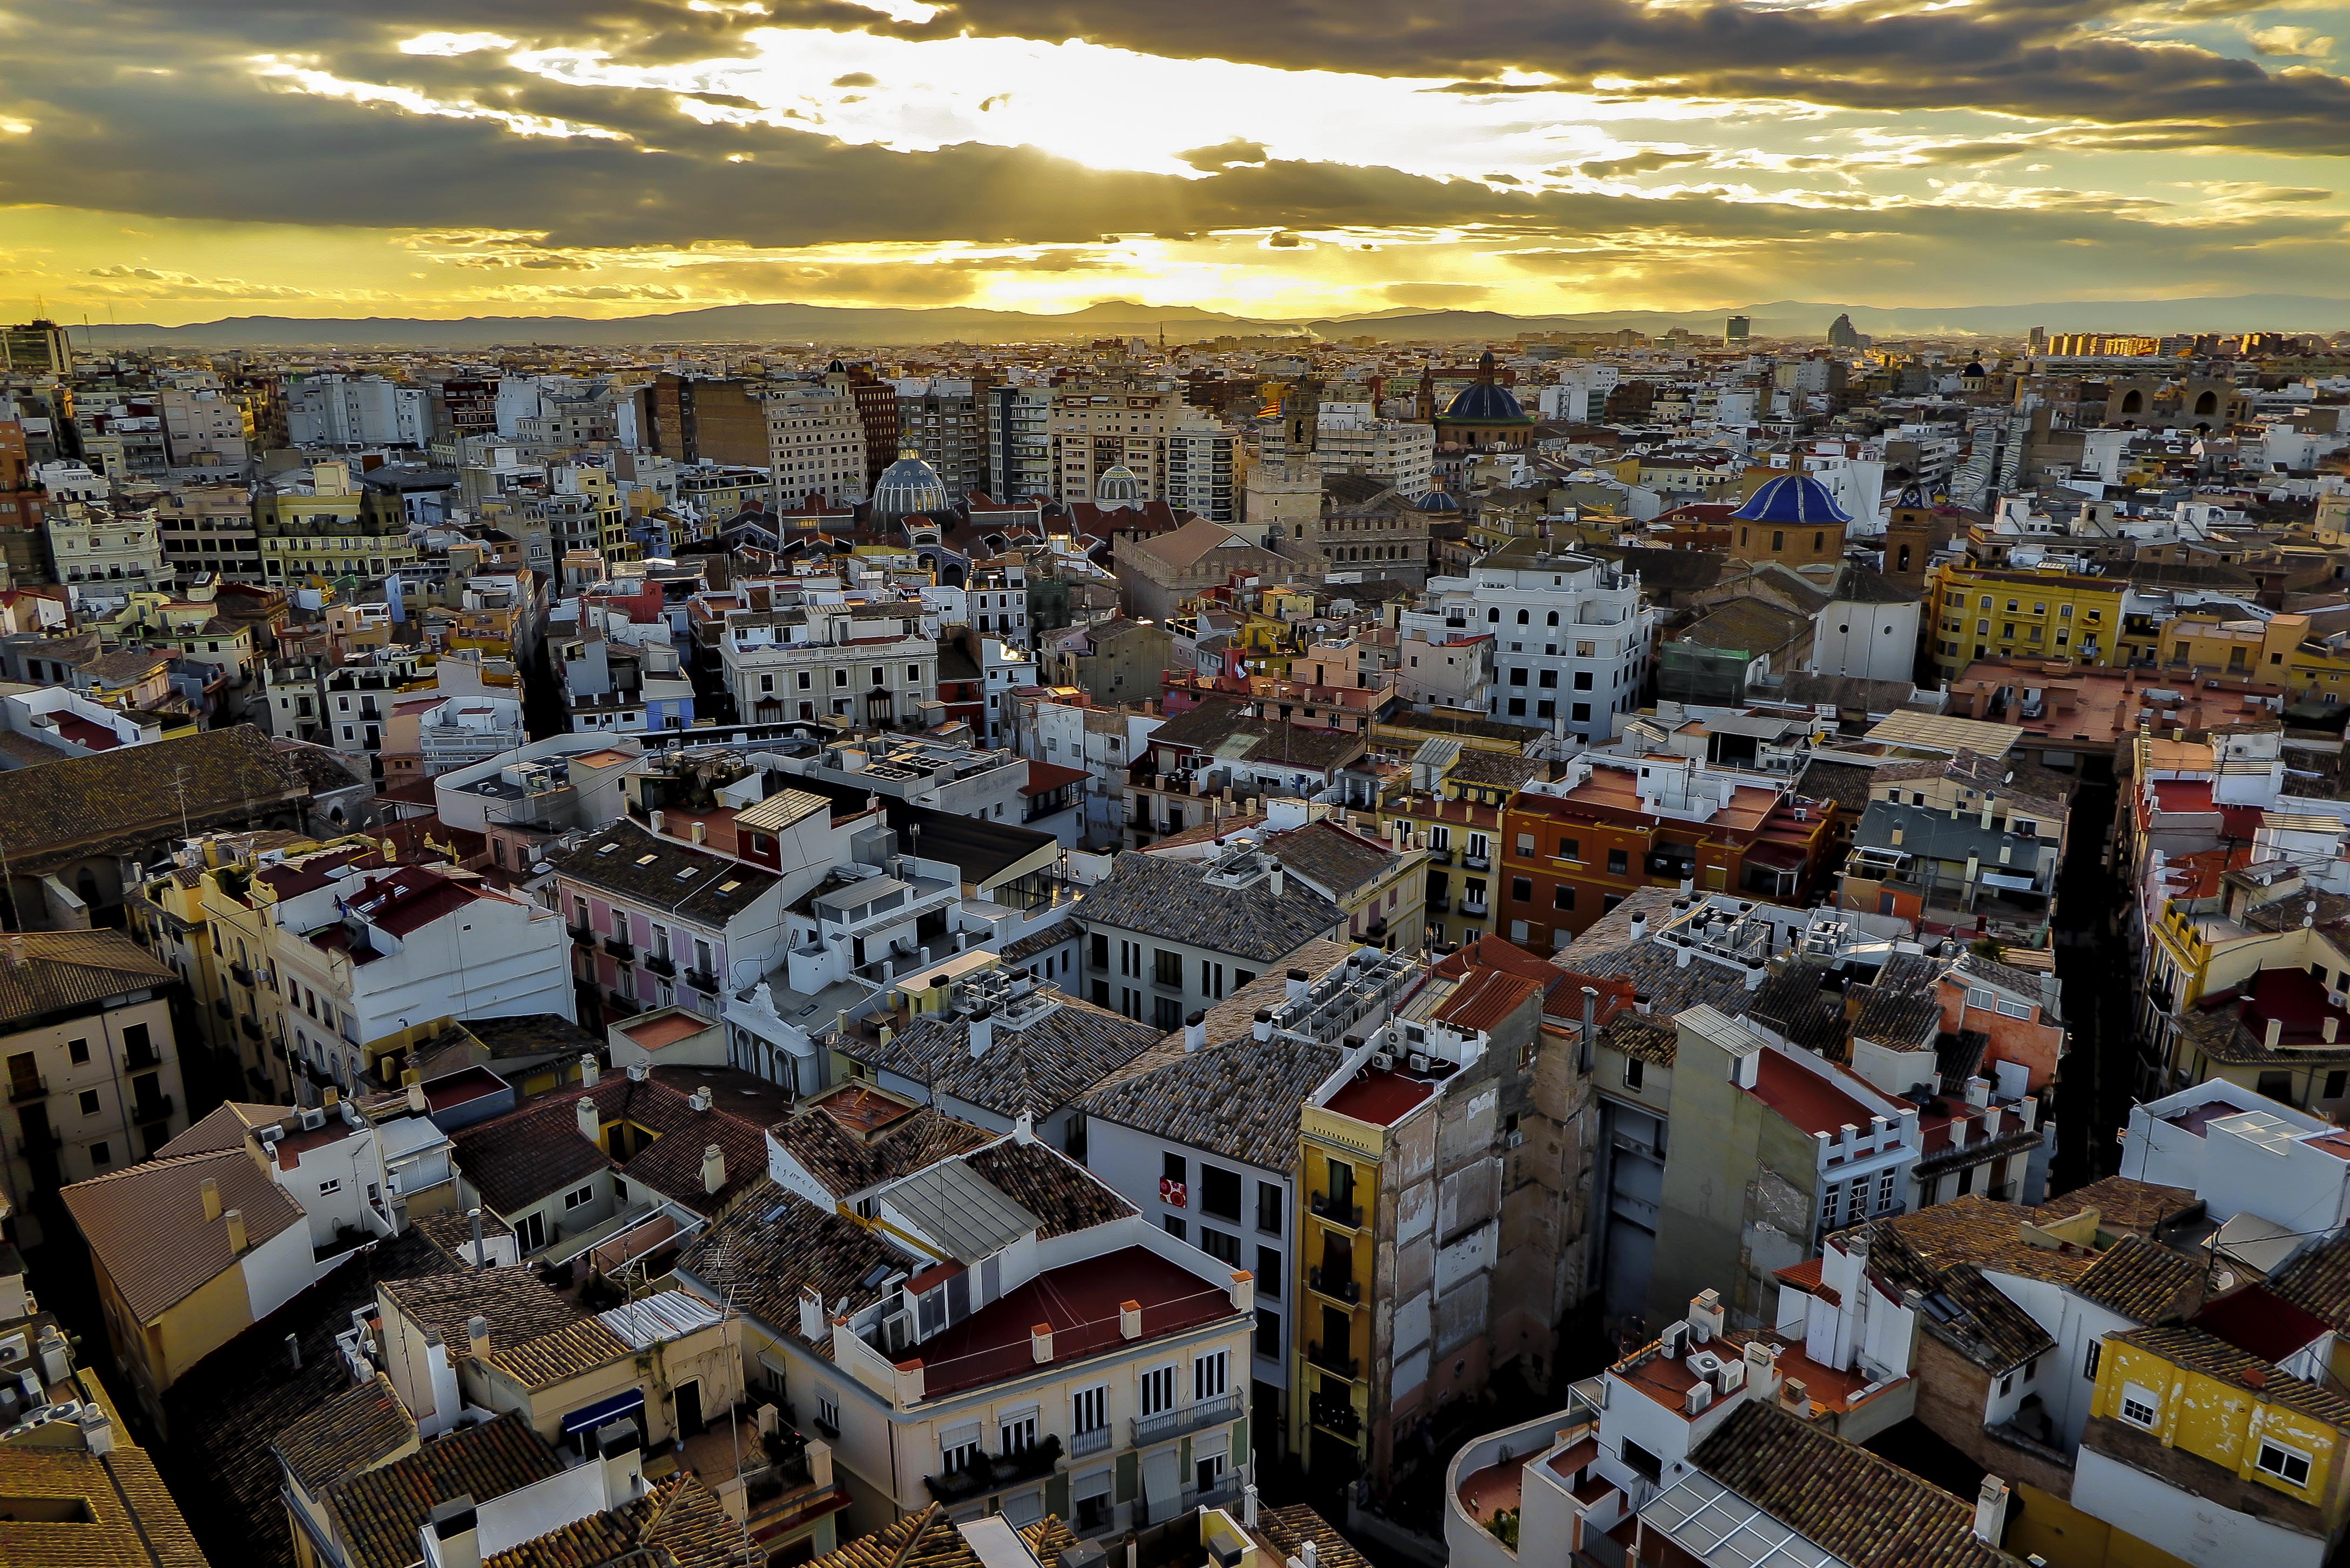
point(908, 486)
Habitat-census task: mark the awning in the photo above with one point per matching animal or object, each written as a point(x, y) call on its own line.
point(590, 1417)
point(2009, 880)
point(1162, 1482)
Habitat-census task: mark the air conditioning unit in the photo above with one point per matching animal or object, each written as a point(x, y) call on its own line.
point(1383, 1060)
point(1418, 1063)
point(313, 1119)
point(1516, 1139)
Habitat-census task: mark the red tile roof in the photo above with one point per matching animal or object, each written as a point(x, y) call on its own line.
point(1081, 1303)
point(1810, 1101)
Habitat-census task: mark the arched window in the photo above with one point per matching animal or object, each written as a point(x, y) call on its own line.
point(1493, 617)
point(2208, 403)
point(1522, 618)
point(1554, 617)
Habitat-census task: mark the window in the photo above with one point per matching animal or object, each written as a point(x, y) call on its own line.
point(1570, 849)
point(1642, 1462)
point(1220, 1245)
point(2288, 1465)
point(2089, 1361)
point(2013, 1009)
point(959, 1447)
point(1211, 1376)
point(1268, 1334)
point(1172, 1168)
point(1167, 968)
point(1616, 863)
point(78, 1051)
point(1017, 1433)
point(101, 1155)
point(1884, 1190)
point(1089, 1409)
point(1220, 1193)
point(89, 1102)
point(1174, 1226)
point(1522, 889)
point(2139, 1405)
point(1158, 1390)
point(1634, 1070)
point(1268, 1208)
point(580, 1197)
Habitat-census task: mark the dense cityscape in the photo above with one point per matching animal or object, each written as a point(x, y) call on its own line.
point(1298, 945)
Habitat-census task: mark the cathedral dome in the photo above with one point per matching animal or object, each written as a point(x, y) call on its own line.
point(1485, 400)
point(908, 486)
point(1795, 498)
point(1117, 486)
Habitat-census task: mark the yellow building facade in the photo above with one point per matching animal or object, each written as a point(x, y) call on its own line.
point(1978, 613)
point(1330, 1375)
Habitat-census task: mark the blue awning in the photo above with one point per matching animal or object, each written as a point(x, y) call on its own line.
point(590, 1417)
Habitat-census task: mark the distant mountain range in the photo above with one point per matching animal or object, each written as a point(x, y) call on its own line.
point(825, 325)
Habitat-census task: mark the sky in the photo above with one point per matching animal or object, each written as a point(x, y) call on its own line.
point(177, 160)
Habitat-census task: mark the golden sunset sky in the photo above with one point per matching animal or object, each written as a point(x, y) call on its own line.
point(183, 161)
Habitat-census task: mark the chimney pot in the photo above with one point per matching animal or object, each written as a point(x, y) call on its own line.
point(2275, 1033)
point(1990, 1509)
point(1130, 1320)
point(714, 1168)
point(1040, 1343)
point(236, 1218)
point(477, 1337)
point(211, 1191)
point(590, 1070)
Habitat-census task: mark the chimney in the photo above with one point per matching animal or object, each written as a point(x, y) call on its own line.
point(1195, 1032)
point(1298, 985)
point(2275, 1033)
point(1991, 1511)
point(714, 1168)
point(622, 1453)
point(1705, 1316)
point(452, 1536)
point(1308, 1554)
point(1795, 1398)
point(211, 1191)
point(590, 1070)
point(1762, 1370)
point(983, 1032)
point(416, 1097)
point(660, 821)
point(473, 1219)
point(1681, 956)
point(236, 1218)
point(330, 1097)
point(700, 1099)
point(1263, 1029)
point(1243, 1290)
point(477, 1337)
point(1755, 974)
point(1040, 1343)
point(591, 1120)
point(96, 1430)
point(1640, 926)
point(1275, 883)
point(699, 833)
point(2332, 1027)
point(1130, 1320)
point(813, 1327)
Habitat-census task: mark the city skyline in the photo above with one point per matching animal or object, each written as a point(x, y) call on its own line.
point(180, 163)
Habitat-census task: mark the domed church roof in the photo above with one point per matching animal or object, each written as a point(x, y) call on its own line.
point(1796, 498)
point(1117, 485)
point(1485, 400)
point(908, 486)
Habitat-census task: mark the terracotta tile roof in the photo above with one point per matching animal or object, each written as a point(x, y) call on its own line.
point(1868, 1512)
point(132, 1520)
point(72, 971)
point(130, 798)
point(1337, 859)
point(146, 1225)
point(516, 1159)
point(1173, 899)
point(536, 1338)
point(1050, 1185)
point(360, 1430)
point(1037, 941)
point(223, 1127)
point(1960, 1308)
point(766, 1243)
point(1291, 1528)
point(930, 1540)
point(378, 1512)
point(1038, 1069)
point(1239, 1099)
point(678, 1523)
point(231, 1485)
point(2141, 1281)
point(845, 1163)
point(2317, 1280)
point(2210, 1355)
point(1486, 999)
point(2129, 1205)
point(1642, 1037)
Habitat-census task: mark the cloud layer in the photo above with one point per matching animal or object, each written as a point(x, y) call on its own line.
point(162, 159)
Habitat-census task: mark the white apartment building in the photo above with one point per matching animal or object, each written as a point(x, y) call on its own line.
point(364, 954)
point(468, 729)
point(816, 445)
point(114, 553)
point(356, 411)
point(1350, 438)
point(1052, 1352)
point(1201, 451)
point(1572, 638)
point(867, 663)
point(203, 426)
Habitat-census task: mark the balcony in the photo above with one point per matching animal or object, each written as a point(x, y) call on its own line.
point(242, 975)
point(661, 964)
point(1337, 1417)
point(1475, 908)
point(702, 981)
point(622, 1004)
point(1477, 862)
point(1167, 1424)
point(983, 1475)
point(40, 1140)
point(1440, 900)
point(1337, 1287)
point(221, 1006)
point(1333, 1361)
point(138, 1056)
point(1093, 1442)
point(1325, 1207)
point(31, 1087)
point(1441, 856)
point(151, 1108)
point(249, 1026)
point(620, 947)
point(583, 935)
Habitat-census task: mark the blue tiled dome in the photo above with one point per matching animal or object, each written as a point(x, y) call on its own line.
point(1795, 498)
point(1437, 501)
point(1485, 400)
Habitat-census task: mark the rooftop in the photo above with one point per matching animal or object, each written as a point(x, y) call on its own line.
point(1081, 1301)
